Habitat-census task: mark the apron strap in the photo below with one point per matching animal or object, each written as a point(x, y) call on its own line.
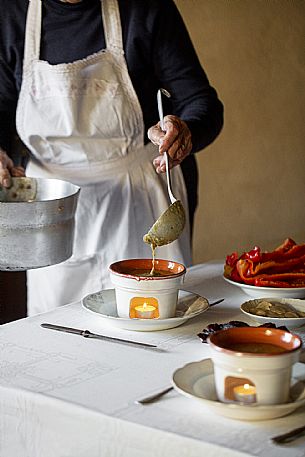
point(112, 25)
point(32, 32)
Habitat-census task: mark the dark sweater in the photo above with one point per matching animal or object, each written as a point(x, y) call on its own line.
point(158, 51)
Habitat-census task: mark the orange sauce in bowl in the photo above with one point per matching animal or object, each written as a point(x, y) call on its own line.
point(256, 348)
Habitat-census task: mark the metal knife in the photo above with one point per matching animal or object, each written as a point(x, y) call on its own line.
point(88, 334)
point(290, 436)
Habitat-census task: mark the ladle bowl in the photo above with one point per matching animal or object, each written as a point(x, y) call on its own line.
point(168, 226)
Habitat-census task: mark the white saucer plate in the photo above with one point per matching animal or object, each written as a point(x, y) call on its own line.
point(259, 292)
point(196, 380)
point(103, 305)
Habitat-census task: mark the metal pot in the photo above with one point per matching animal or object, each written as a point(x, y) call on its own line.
point(36, 223)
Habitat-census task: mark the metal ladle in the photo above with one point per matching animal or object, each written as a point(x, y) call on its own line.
point(170, 224)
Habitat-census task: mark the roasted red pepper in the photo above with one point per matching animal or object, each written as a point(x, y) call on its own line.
point(269, 283)
point(248, 268)
point(232, 259)
point(235, 276)
point(281, 280)
point(254, 255)
point(280, 256)
point(283, 267)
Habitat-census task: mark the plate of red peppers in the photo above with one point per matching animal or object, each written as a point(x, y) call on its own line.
point(277, 273)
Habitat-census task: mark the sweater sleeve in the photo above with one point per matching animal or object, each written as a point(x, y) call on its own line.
point(8, 103)
point(179, 71)
point(12, 21)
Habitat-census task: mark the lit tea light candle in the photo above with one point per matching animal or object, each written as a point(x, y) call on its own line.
point(245, 393)
point(145, 311)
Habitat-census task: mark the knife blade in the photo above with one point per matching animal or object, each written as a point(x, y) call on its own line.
point(88, 334)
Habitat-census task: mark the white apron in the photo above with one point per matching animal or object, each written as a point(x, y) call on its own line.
point(83, 123)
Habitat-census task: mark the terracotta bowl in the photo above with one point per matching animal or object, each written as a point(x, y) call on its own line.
point(225, 339)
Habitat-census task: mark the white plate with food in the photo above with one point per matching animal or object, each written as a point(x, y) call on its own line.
point(103, 305)
point(289, 312)
point(258, 292)
point(196, 380)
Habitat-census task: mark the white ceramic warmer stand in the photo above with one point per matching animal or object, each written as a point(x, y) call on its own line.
point(270, 375)
point(165, 290)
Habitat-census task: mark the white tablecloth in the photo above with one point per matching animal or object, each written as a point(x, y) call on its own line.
point(62, 395)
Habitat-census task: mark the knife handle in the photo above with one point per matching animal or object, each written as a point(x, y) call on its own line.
point(61, 328)
point(289, 436)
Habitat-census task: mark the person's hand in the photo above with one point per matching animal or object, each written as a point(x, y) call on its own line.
point(176, 140)
point(8, 169)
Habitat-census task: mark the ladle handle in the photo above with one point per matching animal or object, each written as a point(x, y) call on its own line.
point(161, 117)
point(168, 176)
point(160, 109)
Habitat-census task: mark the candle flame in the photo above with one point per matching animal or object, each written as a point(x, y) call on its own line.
point(246, 386)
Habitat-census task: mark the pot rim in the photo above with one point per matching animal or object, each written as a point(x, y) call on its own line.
point(116, 266)
point(72, 193)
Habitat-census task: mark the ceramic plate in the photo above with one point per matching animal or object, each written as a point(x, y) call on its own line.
point(196, 380)
point(259, 292)
point(103, 304)
point(289, 322)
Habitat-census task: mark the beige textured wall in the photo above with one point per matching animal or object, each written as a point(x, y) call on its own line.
point(252, 178)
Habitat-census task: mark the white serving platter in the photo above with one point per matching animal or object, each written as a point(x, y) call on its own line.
point(259, 292)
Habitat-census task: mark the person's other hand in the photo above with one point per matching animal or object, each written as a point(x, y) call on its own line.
point(8, 169)
point(176, 140)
